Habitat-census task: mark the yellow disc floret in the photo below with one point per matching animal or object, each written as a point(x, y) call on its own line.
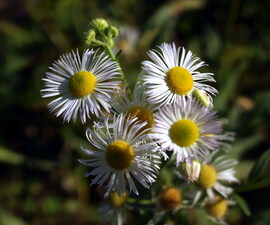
point(117, 201)
point(170, 198)
point(119, 155)
point(184, 133)
point(217, 208)
point(143, 114)
point(82, 84)
point(179, 80)
point(207, 177)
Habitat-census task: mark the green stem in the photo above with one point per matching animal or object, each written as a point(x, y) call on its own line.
point(143, 203)
point(110, 53)
point(103, 43)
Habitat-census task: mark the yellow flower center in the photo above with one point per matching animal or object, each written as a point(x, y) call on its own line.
point(218, 208)
point(119, 155)
point(170, 198)
point(184, 133)
point(117, 201)
point(207, 177)
point(143, 114)
point(179, 80)
point(81, 84)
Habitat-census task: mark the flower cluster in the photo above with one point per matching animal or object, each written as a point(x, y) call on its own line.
point(167, 119)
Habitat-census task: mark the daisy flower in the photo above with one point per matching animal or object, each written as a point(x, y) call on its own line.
point(114, 209)
point(217, 209)
point(169, 201)
point(138, 107)
point(214, 173)
point(81, 86)
point(188, 129)
point(121, 152)
point(173, 74)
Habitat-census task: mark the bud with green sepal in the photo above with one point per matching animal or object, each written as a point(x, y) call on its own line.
point(202, 97)
point(90, 37)
point(99, 24)
point(102, 34)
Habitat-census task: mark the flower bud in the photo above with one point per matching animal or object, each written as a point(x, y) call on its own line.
point(117, 201)
point(202, 97)
point(114, 31)
point(170, 198)
point(91, 35)
point(100, 24)
point(190, 169)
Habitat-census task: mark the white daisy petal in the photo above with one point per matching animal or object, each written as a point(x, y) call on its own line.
point(91, 95)
point(121, 154)
point(174, 71)
point(214, 174)
point(188, 129)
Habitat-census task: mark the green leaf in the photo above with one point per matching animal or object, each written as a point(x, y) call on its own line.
point(248, 186)
point(11, 157)
point(118, 55)
point(7, 218)
point(242, 204)
point(258, 169)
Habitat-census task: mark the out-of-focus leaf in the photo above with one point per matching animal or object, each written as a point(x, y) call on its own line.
point(242, 204)
point(213, 43)
point(254, 186)
point(118, 55)
point(17, 33)
point(51, 205)
point(242, 145)
point(162, 23)
point(10, 157)
point(6, 218)
point(228, 87)
point(166, 12)
point(258, 169)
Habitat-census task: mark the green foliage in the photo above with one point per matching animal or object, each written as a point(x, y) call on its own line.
point(242, 204)
point(258, 170)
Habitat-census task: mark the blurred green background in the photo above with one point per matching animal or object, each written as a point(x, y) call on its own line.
point(41, 180)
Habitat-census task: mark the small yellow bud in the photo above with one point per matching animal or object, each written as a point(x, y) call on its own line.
point(117, 201)
point(170, 198)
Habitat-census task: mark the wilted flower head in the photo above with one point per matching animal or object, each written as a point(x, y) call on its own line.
point(190, 169)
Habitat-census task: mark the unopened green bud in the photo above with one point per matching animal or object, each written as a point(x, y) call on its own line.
point(91, 36)
point(114, 31)
point(202, 97)
point(100, 23)
point(110, 43)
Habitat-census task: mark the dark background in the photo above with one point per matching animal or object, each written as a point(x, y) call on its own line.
point(41, 180)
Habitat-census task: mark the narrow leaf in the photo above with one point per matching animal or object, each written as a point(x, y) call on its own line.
point(257, 170)
point(118, 55)
point(242, 204)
